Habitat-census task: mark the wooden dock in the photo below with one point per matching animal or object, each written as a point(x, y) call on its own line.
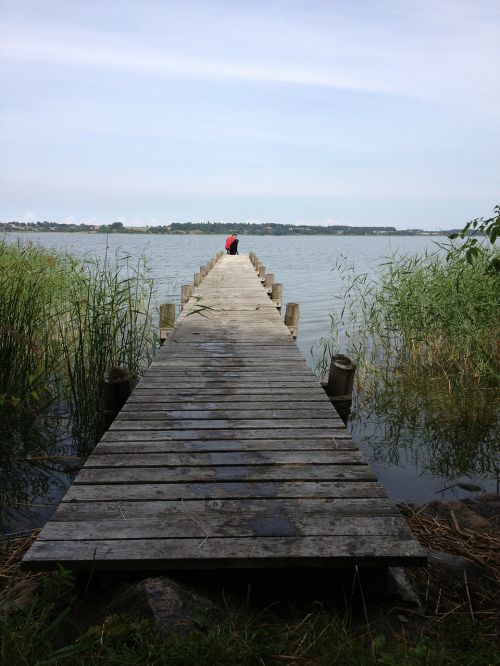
point(227, 454)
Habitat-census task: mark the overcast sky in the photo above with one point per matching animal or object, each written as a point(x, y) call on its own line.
point(329, 111)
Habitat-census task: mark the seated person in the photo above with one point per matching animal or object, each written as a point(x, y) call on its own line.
point(233, 248)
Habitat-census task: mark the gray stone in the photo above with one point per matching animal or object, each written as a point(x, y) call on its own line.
point(172, 608)
point(399, 585)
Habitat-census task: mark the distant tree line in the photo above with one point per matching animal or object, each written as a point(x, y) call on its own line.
point(243, 228)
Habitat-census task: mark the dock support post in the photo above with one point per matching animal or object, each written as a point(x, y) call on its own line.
point(117, 388)
point(203, 271)
point(268, 283)
point(292, 318)
point(186, 293)
point(277, 294)
point(340, 383)
point(262, 272)
point(197, 279)
point(167, 320)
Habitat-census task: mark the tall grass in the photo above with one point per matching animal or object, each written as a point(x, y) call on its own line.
point(432, 317)
point(64, 321)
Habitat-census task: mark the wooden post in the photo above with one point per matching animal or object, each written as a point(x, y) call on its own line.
point(292, 318)
point(186, 293)
point(258, 264)
point(117, 388)
point(277, 294)
point(251, 256)
point(262, 272)
point(340, 384)
point(167, 320)
point(268, 283)
point(203, 271)
point(341, 377)
point(197, 279)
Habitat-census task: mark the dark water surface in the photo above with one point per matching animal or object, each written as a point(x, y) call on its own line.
point(416, 456)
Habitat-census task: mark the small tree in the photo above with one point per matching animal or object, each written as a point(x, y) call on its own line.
point(474, 228)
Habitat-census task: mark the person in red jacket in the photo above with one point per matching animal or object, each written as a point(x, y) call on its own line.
point(233, 249)
point(229, 241)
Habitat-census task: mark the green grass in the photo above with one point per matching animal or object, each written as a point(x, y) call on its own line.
point(320, 637)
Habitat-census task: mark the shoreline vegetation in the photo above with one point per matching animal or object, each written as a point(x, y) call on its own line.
point(195, 228)
point(64, 322)
point(424, 335)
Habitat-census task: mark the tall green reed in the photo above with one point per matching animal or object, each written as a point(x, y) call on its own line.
point(32, 284)
point(107, 322)
point(430, 316)
point(64, 321)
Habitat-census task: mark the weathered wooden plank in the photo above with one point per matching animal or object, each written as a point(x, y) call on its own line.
point(231, 552)
point(124, 422)
point(135, 414)
point(216, 524)
point(225, 490)
point(120, 435)
point(158, 403)
point(214, 445)
point(192, 383)
point(125, 510)
point(332, 472)
point(210, 458)
point(213, 392)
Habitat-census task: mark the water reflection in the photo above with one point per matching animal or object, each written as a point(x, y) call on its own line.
point(36, 465)
point(419, 425)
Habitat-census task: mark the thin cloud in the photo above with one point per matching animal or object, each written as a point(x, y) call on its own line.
point(79, 52)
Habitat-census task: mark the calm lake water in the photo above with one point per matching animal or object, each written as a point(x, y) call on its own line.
point(402, 454)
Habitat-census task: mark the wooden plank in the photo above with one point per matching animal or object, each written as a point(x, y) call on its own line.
point(224, 396)
point(214, 446)
point(278, 473)
point(225, 490)
point(232, 552)
point(142, 459)
point(158, 403)
point(167, 393)
point(216, 524)
point(133, 413)
point(125, 422)
point(125, 510)
point(122, 434)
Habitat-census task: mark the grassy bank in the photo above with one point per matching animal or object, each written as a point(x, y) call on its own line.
point(64, 321)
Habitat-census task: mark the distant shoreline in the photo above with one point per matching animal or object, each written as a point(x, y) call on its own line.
point(212, 229)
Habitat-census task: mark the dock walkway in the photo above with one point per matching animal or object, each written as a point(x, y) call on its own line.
point(227, 454)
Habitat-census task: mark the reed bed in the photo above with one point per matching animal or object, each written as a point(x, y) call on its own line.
point(64, 321)
point(429, 316)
